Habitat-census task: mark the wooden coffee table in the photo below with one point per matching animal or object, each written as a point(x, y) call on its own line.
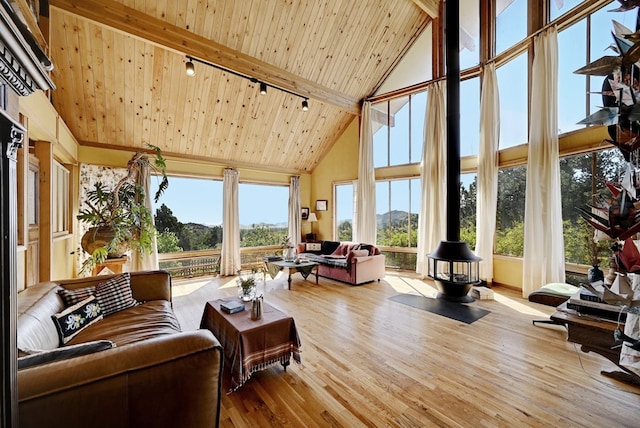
point(251, 345)
point(305, 268)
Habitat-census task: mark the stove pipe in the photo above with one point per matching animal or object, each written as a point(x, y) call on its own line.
point(453, 266)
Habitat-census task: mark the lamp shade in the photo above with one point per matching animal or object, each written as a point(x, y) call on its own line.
point(312, 217)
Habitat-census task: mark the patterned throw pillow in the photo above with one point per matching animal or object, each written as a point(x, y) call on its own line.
point(115, 294)
point(71, 297)
point(76, 318)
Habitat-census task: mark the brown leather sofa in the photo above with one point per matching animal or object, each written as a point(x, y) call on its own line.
point(155, 376)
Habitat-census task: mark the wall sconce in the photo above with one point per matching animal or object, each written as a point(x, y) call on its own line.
point(305, 105)
point(263, 88)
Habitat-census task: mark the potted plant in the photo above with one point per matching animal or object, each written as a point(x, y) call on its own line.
point(288, 252)
point(118, 218)
point(247, 283)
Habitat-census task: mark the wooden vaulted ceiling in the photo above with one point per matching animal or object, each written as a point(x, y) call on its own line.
point(121, 81)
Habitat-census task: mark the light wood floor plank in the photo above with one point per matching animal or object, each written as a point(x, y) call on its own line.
point(369, 361)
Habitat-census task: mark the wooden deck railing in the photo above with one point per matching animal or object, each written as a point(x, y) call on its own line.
point(189, 264)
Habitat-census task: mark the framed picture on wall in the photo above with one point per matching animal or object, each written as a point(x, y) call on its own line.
point(321, 205)
point(305, 212)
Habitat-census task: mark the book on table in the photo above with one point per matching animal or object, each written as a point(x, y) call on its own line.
point(586, 304)
point(232, 307)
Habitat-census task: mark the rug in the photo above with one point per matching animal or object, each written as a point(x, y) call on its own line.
point(457, 311)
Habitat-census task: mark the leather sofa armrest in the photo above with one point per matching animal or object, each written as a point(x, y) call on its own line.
point(363, 259)
point(172, 380)
point(52, 378)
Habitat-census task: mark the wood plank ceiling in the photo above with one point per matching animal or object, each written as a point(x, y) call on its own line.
point(121, 81)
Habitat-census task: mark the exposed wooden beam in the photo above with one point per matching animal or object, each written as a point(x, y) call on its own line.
point(429, 6)
point(124, 19)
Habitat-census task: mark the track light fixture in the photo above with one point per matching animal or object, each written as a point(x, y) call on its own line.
point(263, 85)
point(191, 69)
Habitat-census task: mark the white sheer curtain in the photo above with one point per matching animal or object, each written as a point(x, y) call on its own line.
point(366, 225)
point(145, 261)
point(432, 222)
point(230, 255)
point(295, 220)
point(487, 196)
point(543, 260)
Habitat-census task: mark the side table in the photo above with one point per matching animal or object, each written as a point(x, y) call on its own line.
point(593, 334)
point(114, 265)
point(252, 345)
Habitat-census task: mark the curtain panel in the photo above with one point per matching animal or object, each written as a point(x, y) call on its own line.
point(487, 196)
point(295, 219)
point(230, 261)
point(366, 225)
point(543, 260)
point(432, 221)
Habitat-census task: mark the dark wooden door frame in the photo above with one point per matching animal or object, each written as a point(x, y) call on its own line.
point(11, 136)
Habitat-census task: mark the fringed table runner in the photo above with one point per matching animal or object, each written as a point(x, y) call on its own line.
point(250, 346)
point(305, 268)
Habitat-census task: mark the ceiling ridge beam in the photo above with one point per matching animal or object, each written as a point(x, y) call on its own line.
point(132, 22)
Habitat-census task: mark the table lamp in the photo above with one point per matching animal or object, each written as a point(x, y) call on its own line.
point(311, 219)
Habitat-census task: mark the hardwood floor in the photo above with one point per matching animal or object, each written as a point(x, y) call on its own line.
point(370, 361)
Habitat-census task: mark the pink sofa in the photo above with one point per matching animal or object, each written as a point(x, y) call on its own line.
point(349, 262)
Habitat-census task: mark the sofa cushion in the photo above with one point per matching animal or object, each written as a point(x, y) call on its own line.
point(145, 321)
point(76, 318)
point(37, 357)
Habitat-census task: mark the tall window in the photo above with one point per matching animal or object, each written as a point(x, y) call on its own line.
point(398, 129)
point(398, 204)
point(582, 177)
point(469, 33)
point(188, 215)
point(343, 212)
point(512, 81)
point(468, 194)
point(264, 214)
point(511, 23)
point(601, 28)
point(572, 93)
point(561, 7)
point(510, 211)
point(469, 116)
point(418, 110)
point(60, 208)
